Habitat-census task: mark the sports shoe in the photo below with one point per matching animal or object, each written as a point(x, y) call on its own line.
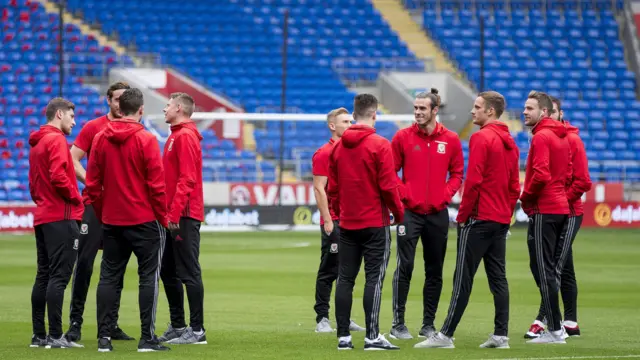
point(189, 337)
point(151, 345)
point(379, 343)
point(437, 340)
point(355, 327)
point(496, 342)
point(324, 326)
point(60, 343)
point(400, 332)
point(571, 329)
point(119, 334)
point(344, 343)
point(427, 331)
point(74, 333)
point(104, 345)
point(535, 330)
point(37, 342)
point(548, 337)
point(171, 333)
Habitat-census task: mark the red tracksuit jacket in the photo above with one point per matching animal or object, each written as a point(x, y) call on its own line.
point(85, 138)
point(366, 187)
point(125, 177)
point(425, 161)
point(320, 167)
point(52, 179)
point(183, 173)
point(492, 184)
point(580, 180)
point(548, 170)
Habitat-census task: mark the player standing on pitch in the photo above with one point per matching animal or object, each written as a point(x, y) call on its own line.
point(580, 184)
point(363, 188)
point(185, 204)
point(58, 209)
point(91, 228)
point(491, 191)
point(544, 200)
point(125, 184)
point(426, 152)
point(338, 121)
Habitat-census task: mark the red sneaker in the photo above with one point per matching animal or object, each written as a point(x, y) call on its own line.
point(534, 331)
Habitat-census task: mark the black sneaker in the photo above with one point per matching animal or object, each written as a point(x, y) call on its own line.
point(572, 331)
point(104, 345)
point(345, 345)
point(37, 342)
point(380, 343)
point(151, 345)
point(118, 334)
point(74, 334)
point(427, 331)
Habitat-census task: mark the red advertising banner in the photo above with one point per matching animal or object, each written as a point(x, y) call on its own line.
point(612, 215)
point(16, 218)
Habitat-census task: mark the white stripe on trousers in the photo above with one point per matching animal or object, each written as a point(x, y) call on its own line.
point(395, 285)
point(163, 239)
point(567, 236)
point(457, 282)
point(544, 290)
point(377, 295)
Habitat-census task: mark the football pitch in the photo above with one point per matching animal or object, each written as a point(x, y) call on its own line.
point(259, 297)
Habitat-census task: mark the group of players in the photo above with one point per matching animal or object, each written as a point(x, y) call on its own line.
point(136, 200)
point(356, 187)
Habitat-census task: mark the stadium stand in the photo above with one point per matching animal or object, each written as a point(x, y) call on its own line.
point(573, 53)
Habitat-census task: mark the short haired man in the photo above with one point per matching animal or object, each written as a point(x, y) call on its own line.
point(338, 120)
point(58, 209)
point(544, 200)
point(580, 183)
point(491, 191)
point(363, 189)
point(126, 185)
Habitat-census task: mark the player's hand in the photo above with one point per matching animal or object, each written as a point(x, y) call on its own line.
point(173, 226)
point(328, 227)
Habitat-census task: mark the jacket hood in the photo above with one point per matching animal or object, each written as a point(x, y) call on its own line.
point(36, 136)
point(570, 128)
point(118, 131)
point(355, 134)
point(502, 130)
point(556, 127)
point(190, 125)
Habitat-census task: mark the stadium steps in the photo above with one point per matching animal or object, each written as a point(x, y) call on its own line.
point(85, 29)
point(399, 19)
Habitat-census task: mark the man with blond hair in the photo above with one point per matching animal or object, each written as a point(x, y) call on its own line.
point(338, 120)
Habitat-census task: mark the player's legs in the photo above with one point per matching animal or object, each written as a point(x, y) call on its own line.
point(376, 248)
point(568, 284)
point(434, 243)
point(327, 274)
point(349, 260)
point(39, 292)
point(495, 267)
point(173, 290)
point(407, 240)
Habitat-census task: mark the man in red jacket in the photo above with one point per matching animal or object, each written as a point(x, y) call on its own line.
point(338, 120)
point(58, 210)
point(580, 184)
point(185, 203)
point(125, 184)
point(491, 191)
point(91, 228)
point(363, 189)
point(544, 200)
point(426, 152)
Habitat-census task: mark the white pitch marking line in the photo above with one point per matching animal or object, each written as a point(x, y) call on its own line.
point(572, 357)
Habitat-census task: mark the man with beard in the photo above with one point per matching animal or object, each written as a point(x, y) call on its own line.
point(91, 228)
point(426, 152)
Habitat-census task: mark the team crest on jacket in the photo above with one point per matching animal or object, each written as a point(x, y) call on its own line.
point(170, 145)
point(401, 230)
point(84, 229)
point(334, 248)
point(442, 147)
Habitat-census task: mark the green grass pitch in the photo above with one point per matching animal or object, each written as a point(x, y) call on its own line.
point(259, 296)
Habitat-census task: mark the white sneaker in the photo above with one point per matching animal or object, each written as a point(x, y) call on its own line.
point(379, 343)
point(496, 342)
point(438, 340)
point(323, 326)
point(548, 337)
point(355, 327)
